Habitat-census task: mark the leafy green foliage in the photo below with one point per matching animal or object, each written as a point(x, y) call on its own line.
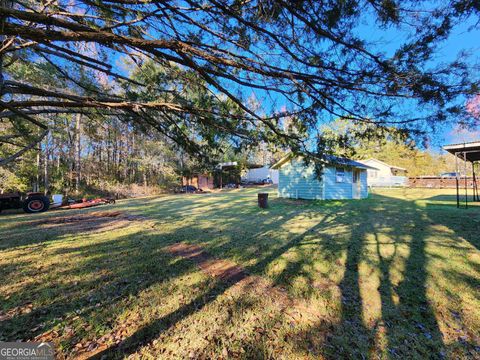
point(9, 182)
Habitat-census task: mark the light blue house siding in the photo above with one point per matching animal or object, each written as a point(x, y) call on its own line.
point(298, 181)
point(334, 189)
point(295, 180)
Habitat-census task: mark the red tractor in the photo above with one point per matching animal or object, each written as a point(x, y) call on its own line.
point(32, 202)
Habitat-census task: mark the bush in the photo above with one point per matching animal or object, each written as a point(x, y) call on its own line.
point(10, 182)
point(117, 190)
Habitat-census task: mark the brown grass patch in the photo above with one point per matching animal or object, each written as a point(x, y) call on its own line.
point(18, 310)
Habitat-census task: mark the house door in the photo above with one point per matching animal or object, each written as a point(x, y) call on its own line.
point(356, 184)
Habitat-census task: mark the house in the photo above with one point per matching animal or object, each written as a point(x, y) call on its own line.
point(341, 179)
point(385, 175)
point(259, 174)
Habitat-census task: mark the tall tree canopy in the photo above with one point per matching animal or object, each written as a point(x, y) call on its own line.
point(308, 61)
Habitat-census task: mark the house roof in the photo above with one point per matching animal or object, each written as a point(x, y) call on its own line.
point(383, 163)
point(331, 159)
point(471, 150)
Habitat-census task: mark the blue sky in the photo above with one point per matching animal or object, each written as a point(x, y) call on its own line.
point(462, 39)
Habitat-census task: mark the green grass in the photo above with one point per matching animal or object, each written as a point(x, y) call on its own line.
point(393, 276)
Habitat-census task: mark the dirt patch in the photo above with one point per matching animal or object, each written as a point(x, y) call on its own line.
point(93, 221)
point(81, 217)
point(245, 283)
point(223, 269)
point(229, 271)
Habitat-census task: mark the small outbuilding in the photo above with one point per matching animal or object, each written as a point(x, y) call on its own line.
point(200, 181)
point(341, 179)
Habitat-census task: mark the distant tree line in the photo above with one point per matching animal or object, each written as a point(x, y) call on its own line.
point(81, 155)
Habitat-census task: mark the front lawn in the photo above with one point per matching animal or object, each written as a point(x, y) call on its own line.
point(393, 276)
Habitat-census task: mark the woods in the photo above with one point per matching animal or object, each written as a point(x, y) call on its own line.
point(81, 155)
point(59, 57)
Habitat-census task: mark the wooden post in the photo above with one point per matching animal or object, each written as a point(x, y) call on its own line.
point(221, 177)
point(456, 180)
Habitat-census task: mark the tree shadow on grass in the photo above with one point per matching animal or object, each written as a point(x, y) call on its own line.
point(406, 325)
point(92, 279)
point(152, 330)
point(407, 321)
point(407, 318)
point(344, 235)
point(464, 223)
point(451, 200)
point(100, 276)
point(460, 267)
point(407, 312)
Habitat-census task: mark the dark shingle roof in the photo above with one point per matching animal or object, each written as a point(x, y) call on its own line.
point(347, 162)
point(330, 159)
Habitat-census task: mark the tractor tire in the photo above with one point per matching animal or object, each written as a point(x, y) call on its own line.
point(36, 204)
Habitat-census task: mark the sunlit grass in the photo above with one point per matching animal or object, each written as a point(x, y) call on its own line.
point(393, 276)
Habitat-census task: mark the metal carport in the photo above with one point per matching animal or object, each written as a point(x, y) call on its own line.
point(469, 153)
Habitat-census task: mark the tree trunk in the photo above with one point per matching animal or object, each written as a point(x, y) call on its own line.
point(133, 177)
point(145, 181)
point(36, 186)
point(78, 150)
point(46, 182)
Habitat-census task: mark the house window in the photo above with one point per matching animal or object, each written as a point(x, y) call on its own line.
point(356, 176)
point(373, 174)
point(340, 174)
